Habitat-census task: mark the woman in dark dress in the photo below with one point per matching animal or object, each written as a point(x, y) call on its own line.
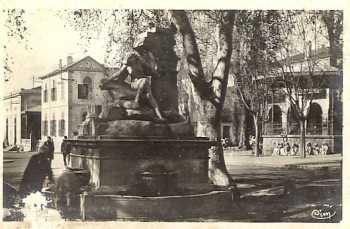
point(37, 170)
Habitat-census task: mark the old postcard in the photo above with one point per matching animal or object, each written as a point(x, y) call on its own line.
point(222, 113)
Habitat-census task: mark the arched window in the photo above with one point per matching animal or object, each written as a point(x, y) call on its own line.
point(85, 89)
point(274, 125)
point(314, 119)
point(87, 81)
point(293, 121)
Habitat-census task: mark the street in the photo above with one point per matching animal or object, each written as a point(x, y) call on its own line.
point(262, 182)
point(16, 162)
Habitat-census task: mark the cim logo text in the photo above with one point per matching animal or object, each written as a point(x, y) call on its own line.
point(325, 211)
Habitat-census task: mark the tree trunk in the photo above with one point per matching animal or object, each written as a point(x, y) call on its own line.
point(302, 137)
point(334, 25)
point(209, 122)
point(218, 173)
point(217, 169)
point(334, 48)
point(209, 125)
point(243, 130)
point(194, 64)
point(257, 136)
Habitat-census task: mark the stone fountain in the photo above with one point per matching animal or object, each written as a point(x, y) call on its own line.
point(142, 157)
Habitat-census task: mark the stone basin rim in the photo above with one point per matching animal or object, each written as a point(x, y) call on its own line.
point(143, 140)
point(207, 194)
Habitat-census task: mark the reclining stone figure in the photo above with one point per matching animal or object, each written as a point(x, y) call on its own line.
point(128, 95)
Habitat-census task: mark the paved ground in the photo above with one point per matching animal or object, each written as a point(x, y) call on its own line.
point(15, 163)
point(312, 182)
point(245, 157)
point(245, 167)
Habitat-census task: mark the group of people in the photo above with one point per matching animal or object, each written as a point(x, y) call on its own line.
point(65, 149)
point(316, 149)
point(39, 167)
point(284, 149)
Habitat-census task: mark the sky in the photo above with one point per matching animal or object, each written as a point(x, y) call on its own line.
point(48, 41)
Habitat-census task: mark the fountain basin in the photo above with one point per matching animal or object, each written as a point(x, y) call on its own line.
point(162, 208)
point(147, 178)
point(115, 163)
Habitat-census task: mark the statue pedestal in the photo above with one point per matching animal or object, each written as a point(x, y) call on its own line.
point(118, 193)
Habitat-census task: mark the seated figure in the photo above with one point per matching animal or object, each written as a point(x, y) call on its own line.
point(287, 148)
point(276, 149)
point(316, 149)
point(129, 95)
point(295, 149)
point(282, 149)
point(308, 149)
point(324, 149)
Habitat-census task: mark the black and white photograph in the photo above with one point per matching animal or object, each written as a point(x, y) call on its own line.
point(172, 115)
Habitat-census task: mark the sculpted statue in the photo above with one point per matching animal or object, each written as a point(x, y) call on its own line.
point(129, 94)
point(138, 100)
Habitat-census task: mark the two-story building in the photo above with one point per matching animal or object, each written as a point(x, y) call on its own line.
point(22, 115)
point(66, 94)
point(324, 123)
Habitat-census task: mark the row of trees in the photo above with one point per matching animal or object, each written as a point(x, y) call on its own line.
point(262, 43)
point(277, 50)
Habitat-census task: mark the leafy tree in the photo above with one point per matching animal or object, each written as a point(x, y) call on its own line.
point(333, 19)
point(211, 93)
point(16, 29)
point(257, 41)
point(298, 64)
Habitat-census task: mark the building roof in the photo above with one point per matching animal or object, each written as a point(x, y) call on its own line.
point(67, 67)
point(320, 53)
point(23, 91)
point(33, 109)
point(31, 90)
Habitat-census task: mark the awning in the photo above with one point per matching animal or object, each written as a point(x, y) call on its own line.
point(32, 109)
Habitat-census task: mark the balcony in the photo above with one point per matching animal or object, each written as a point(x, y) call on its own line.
point(273, 129)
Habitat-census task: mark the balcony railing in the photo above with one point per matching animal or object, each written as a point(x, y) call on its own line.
point(294, 128)
point(314, 129)
point(273, 128)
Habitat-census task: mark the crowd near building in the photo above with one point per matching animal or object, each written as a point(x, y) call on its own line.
point(324, 123)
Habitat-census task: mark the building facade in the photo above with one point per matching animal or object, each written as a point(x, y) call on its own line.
point(324, 119)
point(67, 92)
point(22, 118)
